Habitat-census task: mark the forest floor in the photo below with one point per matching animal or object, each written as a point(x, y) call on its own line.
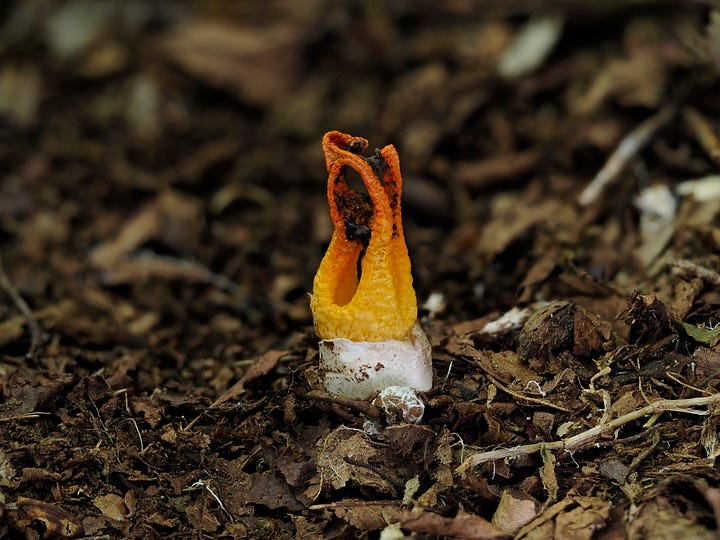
point(163, 212)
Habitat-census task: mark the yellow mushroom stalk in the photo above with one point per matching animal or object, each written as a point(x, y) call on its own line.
point(363, 302)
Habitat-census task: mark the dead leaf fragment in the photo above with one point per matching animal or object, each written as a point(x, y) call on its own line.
point(337, 472)
point(590, 333)
point(659, 518)
point(464, 526)
point(514, 511)
point(36, 474)
point(548, 476)
point(367, 516)
point(259, 65)
point(58, 523)
point(170, 217)
point(112, 507)
point(262, 365)
point(201, 517)
point(582, 521)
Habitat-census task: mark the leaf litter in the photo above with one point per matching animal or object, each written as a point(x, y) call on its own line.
point(162, 215)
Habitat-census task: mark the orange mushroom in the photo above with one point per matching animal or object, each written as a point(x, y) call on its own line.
point(362, 292)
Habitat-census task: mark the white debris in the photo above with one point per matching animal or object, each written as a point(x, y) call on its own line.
point(400, 404)
point(702, 189)
point(531, 47)
point(511, 320)
point(658, 208)
point(434, 304)
point(657, 203)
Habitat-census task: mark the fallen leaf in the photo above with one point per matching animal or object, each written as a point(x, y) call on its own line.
point(112, 506)
point(464, 526)
point(258, 64)
point(262, 365)
point(57, 522)
point(513, 512)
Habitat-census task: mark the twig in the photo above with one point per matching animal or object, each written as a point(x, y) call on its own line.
point(36, 333)
point(144, 264)
point(23, 416)
point(703, 131)
point(696, 270)
point(523, 397)
point(625, 151)
point(581, 440)
point(345, 503)
point(360, 406)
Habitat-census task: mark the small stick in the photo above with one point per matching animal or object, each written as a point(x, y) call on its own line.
point(36, 333)
point(523, 397)
point(696, 270)
point(358, 405)
point(352, 504)
point(581, 440)
point(625, 151)
point(703, 131)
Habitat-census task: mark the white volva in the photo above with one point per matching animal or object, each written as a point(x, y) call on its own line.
point(361, 369)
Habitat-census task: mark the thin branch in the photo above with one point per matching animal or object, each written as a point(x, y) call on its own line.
point(693, 269)
point(36, 333)
point(624, 153)
point(347, 503)
point(586, 438)
point(523, 397)
point(704, 132)
point(360, 406)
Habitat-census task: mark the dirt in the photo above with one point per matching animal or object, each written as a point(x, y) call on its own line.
point(163, 211)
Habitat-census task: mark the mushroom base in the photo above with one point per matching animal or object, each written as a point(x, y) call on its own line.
point(361, 369)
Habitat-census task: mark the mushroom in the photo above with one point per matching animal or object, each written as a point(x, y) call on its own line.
point(363, 302)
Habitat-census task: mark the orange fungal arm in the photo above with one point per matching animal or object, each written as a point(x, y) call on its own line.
point(381, 303)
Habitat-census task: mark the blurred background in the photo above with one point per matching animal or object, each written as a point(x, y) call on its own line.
point(165, 156)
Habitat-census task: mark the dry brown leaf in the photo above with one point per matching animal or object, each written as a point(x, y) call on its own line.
point(112, 506)
point(660, 519)
point(496, 169)
point(172, 217)
point(514, 511)
point(201, 517)
point(548, 476)
point(464, 526)
point(367, 516)
point(337, 472)
point(268, 489)
point(262, 365)
point(507, 367)
point(35, 474)
point(259, 65)
point(581, 522)
point(590, 333)
point(58, 523)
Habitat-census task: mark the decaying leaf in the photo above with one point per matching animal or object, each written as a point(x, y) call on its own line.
point(258, 64)
point(548, 476)
point(113, 507)
point(57, 522)
point(334, 468)
point(701, 334)
point(514, 511)
point(464, 526)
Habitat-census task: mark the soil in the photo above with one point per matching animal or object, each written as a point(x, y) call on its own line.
point(163, 211)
